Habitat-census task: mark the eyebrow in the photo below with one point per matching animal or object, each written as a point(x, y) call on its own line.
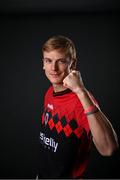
point(56, 59)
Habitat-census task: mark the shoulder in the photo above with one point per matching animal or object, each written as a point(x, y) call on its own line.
point(49, 92)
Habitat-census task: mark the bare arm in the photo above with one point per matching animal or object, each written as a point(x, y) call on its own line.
point(104, 136)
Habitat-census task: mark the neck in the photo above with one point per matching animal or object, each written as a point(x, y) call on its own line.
point(58, 87)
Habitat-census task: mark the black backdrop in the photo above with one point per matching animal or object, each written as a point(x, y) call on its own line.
point(22, 82)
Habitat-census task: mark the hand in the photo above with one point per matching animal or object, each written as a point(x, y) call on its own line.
point(74, 81)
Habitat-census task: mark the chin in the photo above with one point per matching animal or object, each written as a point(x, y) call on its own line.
point(55, 81)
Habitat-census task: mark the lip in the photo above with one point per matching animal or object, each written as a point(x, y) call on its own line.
point(54, 75)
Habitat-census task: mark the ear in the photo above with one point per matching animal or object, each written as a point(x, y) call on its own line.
point(43, 66)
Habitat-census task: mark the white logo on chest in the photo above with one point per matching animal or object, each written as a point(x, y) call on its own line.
point(50, 106)
point(49, 142)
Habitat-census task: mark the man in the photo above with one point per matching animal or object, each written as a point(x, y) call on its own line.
point(71, 117)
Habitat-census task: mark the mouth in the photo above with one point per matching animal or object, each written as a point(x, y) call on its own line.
point(55, 75)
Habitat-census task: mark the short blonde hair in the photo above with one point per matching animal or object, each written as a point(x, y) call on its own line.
point(62, 44)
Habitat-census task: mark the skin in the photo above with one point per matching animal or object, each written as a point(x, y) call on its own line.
point(56, 67)
point(62, 76)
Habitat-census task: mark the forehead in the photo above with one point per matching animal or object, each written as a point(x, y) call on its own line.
point(54, 54)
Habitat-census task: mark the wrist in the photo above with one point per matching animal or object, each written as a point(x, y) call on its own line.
point(91, 110)
point(80, 91)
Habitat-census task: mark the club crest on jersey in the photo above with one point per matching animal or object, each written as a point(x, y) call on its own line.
point(46, 118)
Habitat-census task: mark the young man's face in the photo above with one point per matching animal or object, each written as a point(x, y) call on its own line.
point(56, 66)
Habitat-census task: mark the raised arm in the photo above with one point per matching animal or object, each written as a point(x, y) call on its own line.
point(104, 136)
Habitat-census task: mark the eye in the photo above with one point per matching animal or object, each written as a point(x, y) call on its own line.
point(62, 61)
point(46, 60)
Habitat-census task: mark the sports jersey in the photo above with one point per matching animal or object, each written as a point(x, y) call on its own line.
point(64, 138)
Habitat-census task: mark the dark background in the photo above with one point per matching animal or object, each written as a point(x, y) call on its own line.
point(24, 26)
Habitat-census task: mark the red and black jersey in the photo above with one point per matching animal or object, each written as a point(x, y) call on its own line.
point(65, 136)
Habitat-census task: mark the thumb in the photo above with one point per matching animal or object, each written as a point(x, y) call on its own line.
point(64, 84)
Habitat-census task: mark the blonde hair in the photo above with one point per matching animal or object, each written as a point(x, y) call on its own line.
point(62, 44)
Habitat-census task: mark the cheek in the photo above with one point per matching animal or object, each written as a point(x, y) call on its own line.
point(46, 68)
point(67, 70)
point(46, 71)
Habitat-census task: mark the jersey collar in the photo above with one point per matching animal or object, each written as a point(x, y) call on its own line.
point(60, 93)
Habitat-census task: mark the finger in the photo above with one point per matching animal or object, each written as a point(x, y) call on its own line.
point(64, 84)
point(73, 71)
point(64, 80)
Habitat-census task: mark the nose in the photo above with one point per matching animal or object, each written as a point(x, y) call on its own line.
point(54, 66)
